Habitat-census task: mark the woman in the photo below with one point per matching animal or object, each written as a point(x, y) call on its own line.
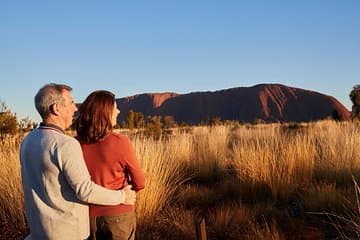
point(111, 161)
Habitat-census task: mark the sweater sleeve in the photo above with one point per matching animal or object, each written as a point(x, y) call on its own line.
point(133, 167)
point(72, 164)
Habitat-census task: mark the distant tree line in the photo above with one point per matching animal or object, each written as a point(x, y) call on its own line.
point(136, 120)
point(355, 98)
point(10, 125)
point(152, 125)
point(155, 126)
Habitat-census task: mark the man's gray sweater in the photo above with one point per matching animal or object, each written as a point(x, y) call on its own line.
point(57, 186)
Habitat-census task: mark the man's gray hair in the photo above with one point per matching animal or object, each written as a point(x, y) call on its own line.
point(47, 96)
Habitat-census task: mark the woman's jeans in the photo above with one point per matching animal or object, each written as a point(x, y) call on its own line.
point(119, 227)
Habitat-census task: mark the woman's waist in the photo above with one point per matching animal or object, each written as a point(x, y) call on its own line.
point(101, 210)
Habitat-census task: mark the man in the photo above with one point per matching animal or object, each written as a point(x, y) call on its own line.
point(55, 179)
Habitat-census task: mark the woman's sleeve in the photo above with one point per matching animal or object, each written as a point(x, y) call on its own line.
point(133, 167)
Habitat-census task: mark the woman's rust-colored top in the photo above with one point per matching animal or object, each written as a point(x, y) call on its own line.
point(112, 164)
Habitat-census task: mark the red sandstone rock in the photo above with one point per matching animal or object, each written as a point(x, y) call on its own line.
point(269, 102)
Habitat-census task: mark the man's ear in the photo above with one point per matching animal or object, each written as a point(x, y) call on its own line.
point(55, 109)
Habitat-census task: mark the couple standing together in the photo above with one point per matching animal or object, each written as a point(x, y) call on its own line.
point(74, 188)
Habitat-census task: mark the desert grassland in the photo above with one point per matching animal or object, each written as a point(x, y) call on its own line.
point(271, 181)
point(11, 194)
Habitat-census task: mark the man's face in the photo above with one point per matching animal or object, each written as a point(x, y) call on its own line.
point(67, 109)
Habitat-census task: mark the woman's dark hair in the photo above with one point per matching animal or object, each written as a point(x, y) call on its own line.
point(94, 120)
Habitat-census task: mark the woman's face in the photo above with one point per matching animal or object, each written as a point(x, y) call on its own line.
point(115, 113)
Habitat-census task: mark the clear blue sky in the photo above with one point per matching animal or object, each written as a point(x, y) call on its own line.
point(132, 47)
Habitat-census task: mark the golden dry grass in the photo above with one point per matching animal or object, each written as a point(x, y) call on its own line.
point(247, 181)
point(11, 194)
point(159, 161)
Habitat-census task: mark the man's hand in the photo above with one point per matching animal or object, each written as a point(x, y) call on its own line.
point(130, 195)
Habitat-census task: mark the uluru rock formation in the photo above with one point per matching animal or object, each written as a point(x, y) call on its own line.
point(269, 102)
